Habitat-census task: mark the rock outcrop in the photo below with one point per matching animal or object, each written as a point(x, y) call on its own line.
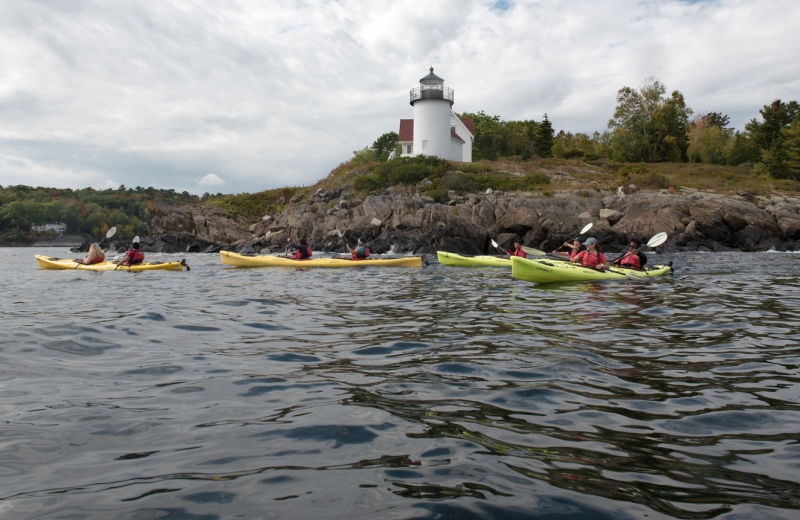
point(402, 219)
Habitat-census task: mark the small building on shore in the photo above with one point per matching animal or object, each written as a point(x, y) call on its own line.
point(57, 227)
point(436, 130)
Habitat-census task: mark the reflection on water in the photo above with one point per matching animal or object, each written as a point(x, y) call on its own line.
point(434, 392)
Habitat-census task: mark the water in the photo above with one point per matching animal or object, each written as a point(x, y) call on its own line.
point(434, 392)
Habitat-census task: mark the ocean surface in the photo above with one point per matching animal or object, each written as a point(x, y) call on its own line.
point(392, 393)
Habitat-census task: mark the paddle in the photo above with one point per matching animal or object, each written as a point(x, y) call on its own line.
point(532, 251)
point(108, 235)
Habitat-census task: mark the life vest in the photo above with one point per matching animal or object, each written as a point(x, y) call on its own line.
point(96, 260)
point(357, 254)
point(135, 257)
point(588, 259)
point(631, 260)
point(298, 255)
point(519, 252)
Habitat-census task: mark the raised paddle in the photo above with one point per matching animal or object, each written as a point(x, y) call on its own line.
point(108, 235)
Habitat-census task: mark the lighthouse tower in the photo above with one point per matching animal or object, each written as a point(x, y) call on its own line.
point(435, 129)
point(432, 102)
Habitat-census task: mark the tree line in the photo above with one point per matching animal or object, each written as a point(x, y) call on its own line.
point(84, 211)
point(648, 125)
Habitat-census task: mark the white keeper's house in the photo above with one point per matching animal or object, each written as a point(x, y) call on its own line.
point(435, 129)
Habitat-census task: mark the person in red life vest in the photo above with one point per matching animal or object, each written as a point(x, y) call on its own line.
point(632, 259)
point(360, 252)
point(517, 250)
point(94, 256)
point(133, 257)
point(576, 247)
point(592, 257)
point(301, 250)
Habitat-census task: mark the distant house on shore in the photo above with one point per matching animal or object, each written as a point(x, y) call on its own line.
point(58, 227)
point(435, 129)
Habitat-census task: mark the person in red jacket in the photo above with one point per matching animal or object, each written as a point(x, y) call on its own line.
point(301, 250)
point(133, 257)
point(631, 259)
point(576, 247)
point(517, 250)
point(94, 256)
point(592, 257)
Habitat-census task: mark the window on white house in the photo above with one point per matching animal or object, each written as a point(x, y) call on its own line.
point(452, 129)
point(409, 148)
point(425, 145)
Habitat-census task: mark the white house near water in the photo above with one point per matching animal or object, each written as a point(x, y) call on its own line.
point(435, 129)
point(58, 227)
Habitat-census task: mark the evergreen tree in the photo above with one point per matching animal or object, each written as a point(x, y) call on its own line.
point(740, 151)
point(384, 145)
point(544, 138)
point(777, 159)
point(792, 136)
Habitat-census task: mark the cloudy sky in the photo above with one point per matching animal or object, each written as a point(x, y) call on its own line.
point(243, 95)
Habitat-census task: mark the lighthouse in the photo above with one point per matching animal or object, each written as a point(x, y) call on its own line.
point(435, 130)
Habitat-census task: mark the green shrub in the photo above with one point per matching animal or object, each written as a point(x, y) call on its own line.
point(459, 182)
point(438, 194)
point(569, 154)
point(403, 170)
point(633, 169)
point(475, 168)
point(760, 171)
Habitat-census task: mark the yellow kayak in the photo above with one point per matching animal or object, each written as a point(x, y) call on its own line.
point(48, 262)
point(235, 259)
point(465, 261)
point(547, 271)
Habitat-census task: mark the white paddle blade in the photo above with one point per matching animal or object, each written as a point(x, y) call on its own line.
point(136, 239)
point(532, 251)
point(111, 232)
point(495, 244)
point(586, 228)
point(657, 240)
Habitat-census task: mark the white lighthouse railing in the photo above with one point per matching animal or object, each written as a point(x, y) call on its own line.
point(432, 92)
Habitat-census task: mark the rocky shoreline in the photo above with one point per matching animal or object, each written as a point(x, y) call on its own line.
point(403, 220)
point(73, 241)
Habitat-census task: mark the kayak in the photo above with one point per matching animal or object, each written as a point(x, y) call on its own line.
point(465, 261)
point(48, 262)
point(547, 271)
point(235, 259)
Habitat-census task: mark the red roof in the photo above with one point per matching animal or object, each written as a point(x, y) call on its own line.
point(468, 124)
point(454, 135)
point(406, 130)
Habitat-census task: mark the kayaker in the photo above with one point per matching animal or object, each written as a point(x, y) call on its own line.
point(133, 257)
point(632, 259)
point(301, 250)
point(360, 252)
point(517, 250)
point(592, 257)
point(576, 246)
point(94, 256)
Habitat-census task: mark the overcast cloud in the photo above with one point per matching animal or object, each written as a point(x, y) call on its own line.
point(244, 96)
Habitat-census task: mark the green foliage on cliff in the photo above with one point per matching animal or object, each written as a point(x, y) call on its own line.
point(253, 206)
point(84, 211)
point(402, 170)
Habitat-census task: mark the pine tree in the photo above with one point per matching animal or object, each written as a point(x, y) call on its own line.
point(792, 136)
point(739, 151)
point(777, 159)
point(544, 138)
